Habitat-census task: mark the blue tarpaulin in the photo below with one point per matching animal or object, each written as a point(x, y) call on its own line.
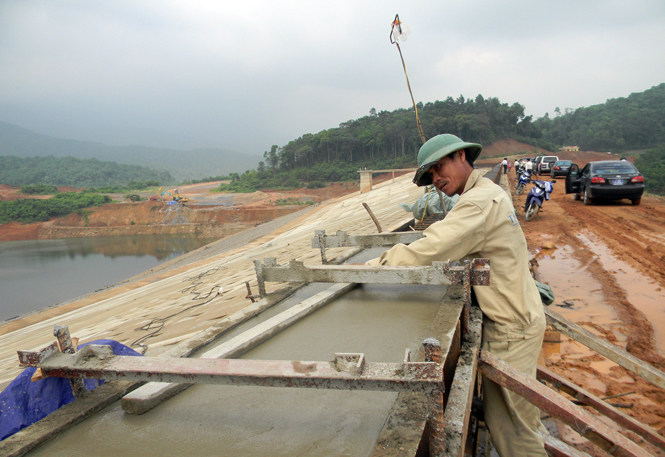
point(23, 402)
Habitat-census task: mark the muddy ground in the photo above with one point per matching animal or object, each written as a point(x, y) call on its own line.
point(607, 262)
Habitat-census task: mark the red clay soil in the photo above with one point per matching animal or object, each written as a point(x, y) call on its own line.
point(608, 259)
point(150, 217)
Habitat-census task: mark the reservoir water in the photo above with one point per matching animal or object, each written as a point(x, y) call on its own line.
point(38, 273)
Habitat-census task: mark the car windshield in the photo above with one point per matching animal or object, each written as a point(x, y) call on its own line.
point(613, 167)
point(563, 163)
point(549, 159)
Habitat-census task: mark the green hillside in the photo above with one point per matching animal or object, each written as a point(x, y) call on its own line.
point(70, 171)
point(182, 165)
point(620, 124)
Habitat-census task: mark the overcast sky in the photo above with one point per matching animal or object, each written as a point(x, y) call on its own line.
point(248, 74)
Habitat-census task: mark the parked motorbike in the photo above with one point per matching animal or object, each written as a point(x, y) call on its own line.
point(540, 192)
point(523, 179)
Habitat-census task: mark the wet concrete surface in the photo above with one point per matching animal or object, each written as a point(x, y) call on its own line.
point(378, 320)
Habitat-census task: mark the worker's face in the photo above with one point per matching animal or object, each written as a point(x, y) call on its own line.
point(449, 174)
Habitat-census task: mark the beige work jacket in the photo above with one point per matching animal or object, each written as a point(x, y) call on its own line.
point(483, 224)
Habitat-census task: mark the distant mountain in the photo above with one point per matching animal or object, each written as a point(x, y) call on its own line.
point(183, 165)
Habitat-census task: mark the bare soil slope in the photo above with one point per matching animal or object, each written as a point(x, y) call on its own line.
point(206, 214)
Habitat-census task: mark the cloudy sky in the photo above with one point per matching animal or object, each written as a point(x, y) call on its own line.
point(248, 74)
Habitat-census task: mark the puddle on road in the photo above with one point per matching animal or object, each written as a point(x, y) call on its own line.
point(642, 292)
point(573, 283)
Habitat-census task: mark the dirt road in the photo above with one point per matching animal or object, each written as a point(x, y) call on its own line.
point(607, 261)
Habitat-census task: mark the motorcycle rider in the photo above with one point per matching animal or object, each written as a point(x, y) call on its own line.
point(483, 224)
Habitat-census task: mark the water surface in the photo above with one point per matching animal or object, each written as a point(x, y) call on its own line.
point(38, 273)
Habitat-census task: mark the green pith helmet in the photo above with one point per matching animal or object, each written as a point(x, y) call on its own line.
point(437, 148)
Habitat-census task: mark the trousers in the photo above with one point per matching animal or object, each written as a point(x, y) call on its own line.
point(513, 422)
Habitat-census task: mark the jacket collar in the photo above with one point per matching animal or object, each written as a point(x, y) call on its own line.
point(473, 179)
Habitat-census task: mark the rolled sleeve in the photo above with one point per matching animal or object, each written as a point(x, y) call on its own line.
point(461, 233)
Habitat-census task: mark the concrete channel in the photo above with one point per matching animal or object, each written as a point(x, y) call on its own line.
point(380, 321)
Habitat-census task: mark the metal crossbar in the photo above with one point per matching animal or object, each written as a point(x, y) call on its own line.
point(342, 240)
point(475, 272)
point(345, 372)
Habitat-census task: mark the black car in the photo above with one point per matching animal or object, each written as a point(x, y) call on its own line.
point(605, 179)
point(560, 168)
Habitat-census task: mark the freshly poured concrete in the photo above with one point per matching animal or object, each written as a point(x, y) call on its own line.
point(380, 321)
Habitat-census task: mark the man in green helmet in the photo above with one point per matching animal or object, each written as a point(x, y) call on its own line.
point(483, 224)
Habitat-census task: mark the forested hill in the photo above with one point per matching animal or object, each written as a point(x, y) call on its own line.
point(620, 124)
point(634, 122)
point(182, 165)
point(70, 171)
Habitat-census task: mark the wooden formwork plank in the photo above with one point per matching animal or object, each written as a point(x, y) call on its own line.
point(557, 448)
point(557, 406)
point(601, 406)
point(606, 349)
point(460, 397)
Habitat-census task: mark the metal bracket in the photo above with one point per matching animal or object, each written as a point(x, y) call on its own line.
point(342, 240)
point(475, 272)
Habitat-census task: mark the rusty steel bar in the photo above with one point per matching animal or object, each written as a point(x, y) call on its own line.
point(439, 273)
point(437, 441)
point(320, 238)
point(67, 347)
point(346, 372)
point(443, 202)
point(606, 349)
point(371, 214)
point(557, 406)
point(601, 406)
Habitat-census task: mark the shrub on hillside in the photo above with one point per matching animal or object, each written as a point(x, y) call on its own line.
point(652, 165)
point(30, 210)
point(39, 189)
point(133, 197)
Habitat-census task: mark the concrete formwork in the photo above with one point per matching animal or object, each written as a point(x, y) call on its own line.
point(350, 423)
point(229, 420)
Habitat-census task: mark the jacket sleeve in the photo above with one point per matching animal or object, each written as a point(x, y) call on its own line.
point(461, 233)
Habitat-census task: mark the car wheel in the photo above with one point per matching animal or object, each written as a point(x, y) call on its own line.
point(636, 201)
point(576, 197)
point(587, 199)
point(531, 211)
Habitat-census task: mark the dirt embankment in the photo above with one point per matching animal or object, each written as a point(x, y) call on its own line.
point(206, 214)
point(607, 261)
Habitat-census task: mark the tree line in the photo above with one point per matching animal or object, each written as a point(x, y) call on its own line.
point(30, 210)
point(633, 122)
point(636, 122)
point(70, 171)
